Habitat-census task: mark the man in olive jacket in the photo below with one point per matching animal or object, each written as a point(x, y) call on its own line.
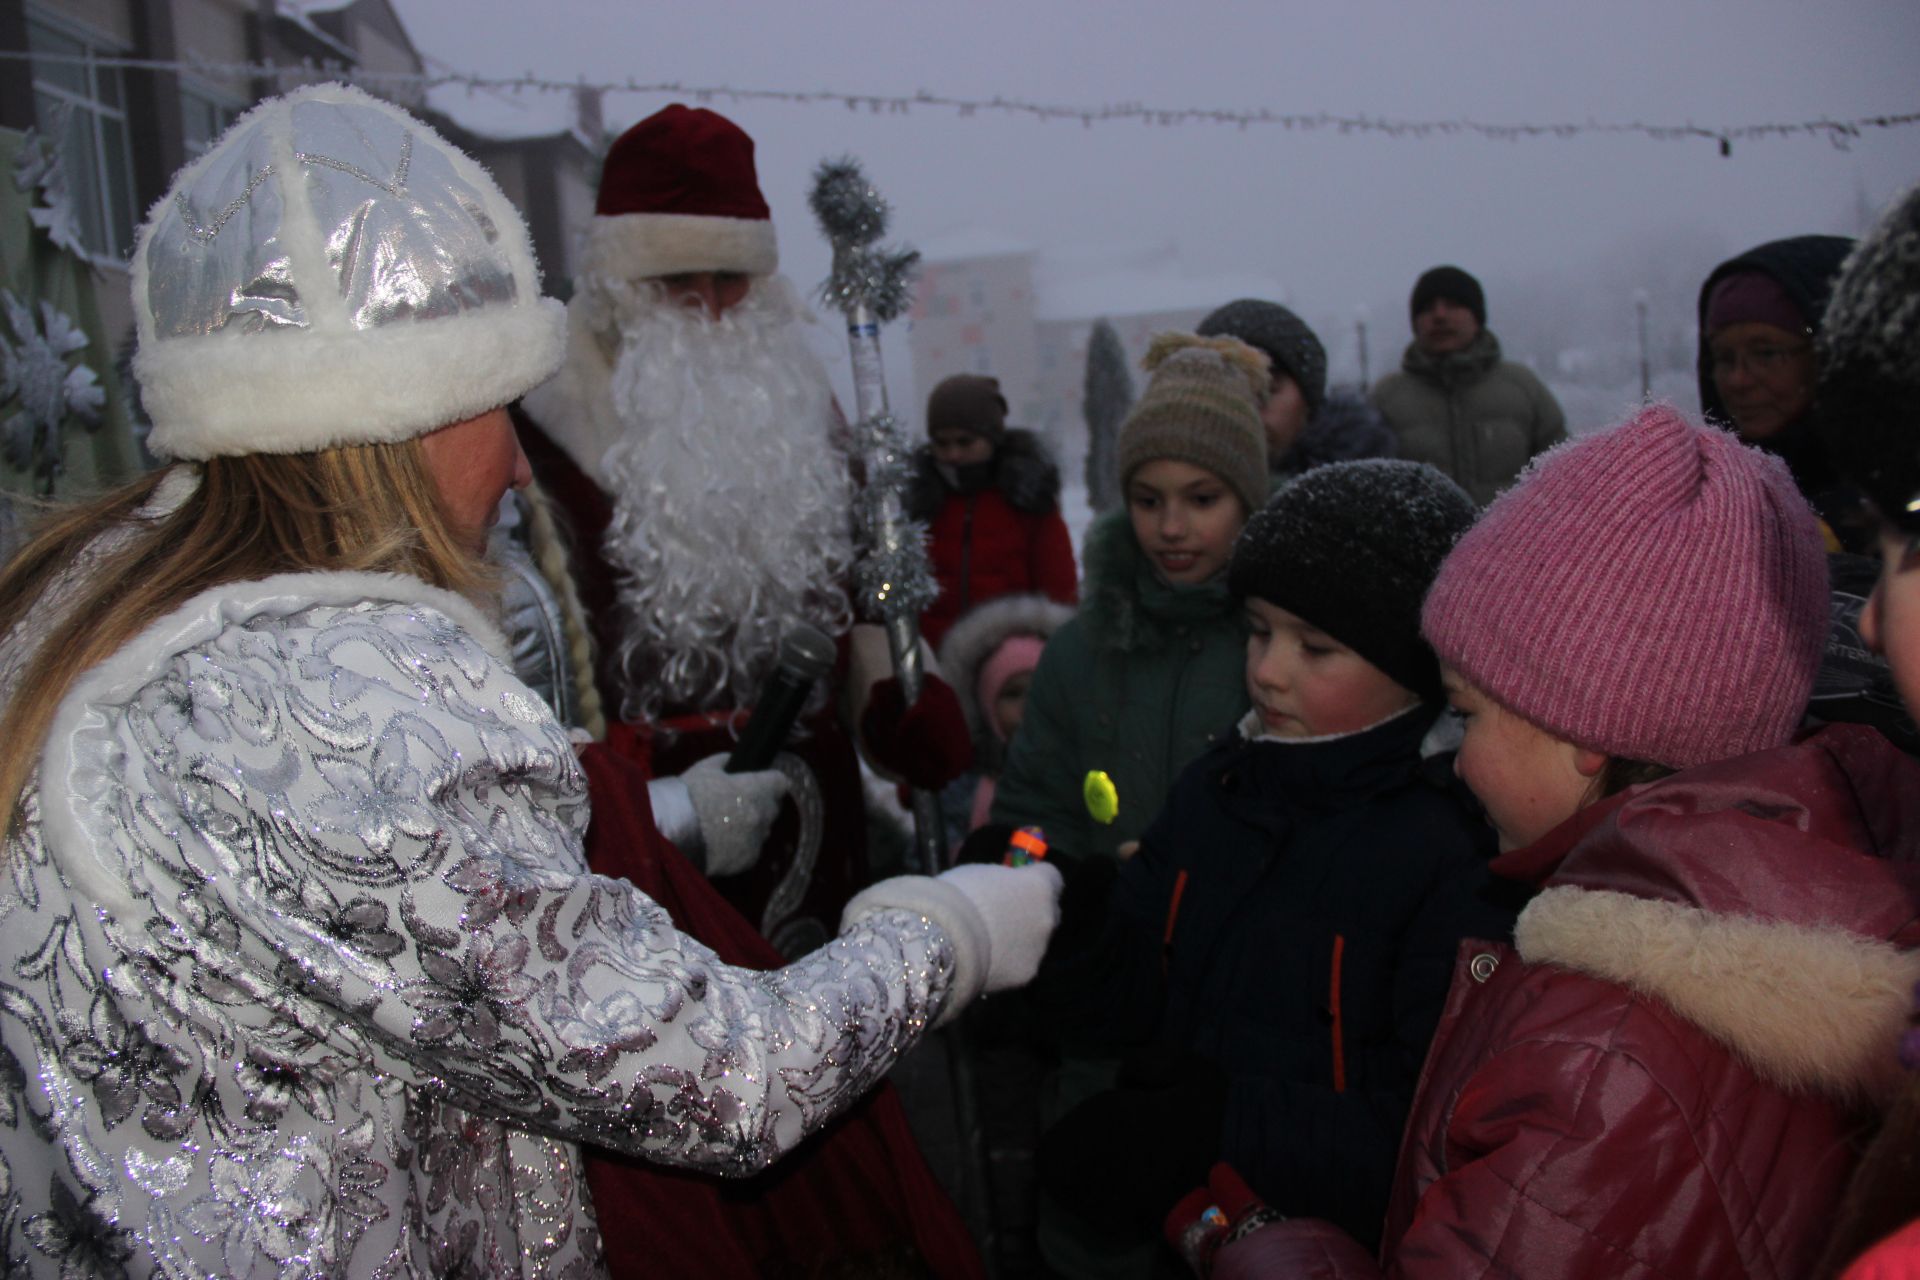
point(1455, 403)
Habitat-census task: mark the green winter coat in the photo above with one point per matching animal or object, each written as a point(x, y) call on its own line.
point(1137, 683)
point(1473, 415)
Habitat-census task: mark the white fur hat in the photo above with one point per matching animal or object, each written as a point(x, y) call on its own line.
point(333, 272)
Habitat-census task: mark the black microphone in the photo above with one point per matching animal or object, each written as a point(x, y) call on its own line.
point(806, 654)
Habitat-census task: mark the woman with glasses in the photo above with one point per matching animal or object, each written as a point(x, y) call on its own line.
point(1759, 321)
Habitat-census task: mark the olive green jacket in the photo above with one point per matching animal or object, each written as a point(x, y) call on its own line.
point(1473, 415)
point(1136, 684)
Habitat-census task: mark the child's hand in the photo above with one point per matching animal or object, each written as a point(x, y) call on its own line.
point(1128, 849)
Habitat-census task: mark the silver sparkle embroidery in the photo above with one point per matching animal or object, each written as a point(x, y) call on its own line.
point(346, 1034)
point(396, 188)
point(205, 234)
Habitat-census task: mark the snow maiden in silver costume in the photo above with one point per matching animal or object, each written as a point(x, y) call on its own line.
point(301, 970)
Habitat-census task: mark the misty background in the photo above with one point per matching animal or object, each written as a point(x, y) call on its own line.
point(1564, 232)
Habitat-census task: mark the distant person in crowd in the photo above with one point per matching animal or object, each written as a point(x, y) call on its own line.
point(989, 655)
point(1454, 402)
point(990, 497)
point(1867, 411)
point(1148, 671)
point(306, 970)
point(1759, 360)
point(1277, 954)
point(1309, 424)
point(1666, 1072)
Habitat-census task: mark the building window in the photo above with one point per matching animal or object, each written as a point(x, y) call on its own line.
point(82, 107)
point(205, 114)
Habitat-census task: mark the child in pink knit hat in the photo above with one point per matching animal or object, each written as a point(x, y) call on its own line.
point(1662, 1075)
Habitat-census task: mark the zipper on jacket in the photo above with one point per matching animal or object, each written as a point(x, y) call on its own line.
point(1173, 914)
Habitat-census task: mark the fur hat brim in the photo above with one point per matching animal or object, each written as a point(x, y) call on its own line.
point(635, 246)
point(299, 391)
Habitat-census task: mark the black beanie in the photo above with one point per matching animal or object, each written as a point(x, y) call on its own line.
point(969, 402)
point(1290, 345)
point(1453, 284)
point(1868, 404)
point(1351, 548)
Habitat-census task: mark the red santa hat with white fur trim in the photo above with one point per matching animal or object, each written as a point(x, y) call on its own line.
point(679, 193)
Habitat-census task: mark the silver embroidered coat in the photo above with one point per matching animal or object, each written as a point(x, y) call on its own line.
point(302, 972)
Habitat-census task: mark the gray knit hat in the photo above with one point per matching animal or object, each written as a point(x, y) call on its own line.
point(1291, 347)
point(1202, 406)
point(1352, 547)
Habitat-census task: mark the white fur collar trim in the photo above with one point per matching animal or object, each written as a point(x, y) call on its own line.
point(1810, 1009)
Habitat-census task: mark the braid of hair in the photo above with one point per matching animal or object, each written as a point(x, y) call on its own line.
point(549, 550)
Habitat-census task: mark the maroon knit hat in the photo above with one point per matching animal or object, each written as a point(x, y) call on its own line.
point(1752, 296)
point(1656, 592)
point(678, 193)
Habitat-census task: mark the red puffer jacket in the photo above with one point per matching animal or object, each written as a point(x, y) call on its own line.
point(1664, 1080)
point(1003, 540)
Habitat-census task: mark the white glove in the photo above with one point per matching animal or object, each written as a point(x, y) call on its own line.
point(731, 813)
point(997, 918)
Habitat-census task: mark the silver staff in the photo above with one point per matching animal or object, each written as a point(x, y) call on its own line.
point(892, 581)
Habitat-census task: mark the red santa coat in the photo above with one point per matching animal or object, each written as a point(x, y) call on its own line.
point(1664, 1075)
point(1006, 539)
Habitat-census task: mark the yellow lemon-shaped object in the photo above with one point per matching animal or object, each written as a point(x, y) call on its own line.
point(1103, 798)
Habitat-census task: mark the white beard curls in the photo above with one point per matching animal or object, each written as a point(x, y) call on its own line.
point(731, 503)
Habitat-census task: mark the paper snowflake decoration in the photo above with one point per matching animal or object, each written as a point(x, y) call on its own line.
point(39, 391)
point(38, 165)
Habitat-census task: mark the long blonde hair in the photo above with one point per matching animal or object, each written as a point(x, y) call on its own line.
point(357, 507)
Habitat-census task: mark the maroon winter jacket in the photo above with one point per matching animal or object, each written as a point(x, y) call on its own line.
point(1003, 540)
point(1664, 1076)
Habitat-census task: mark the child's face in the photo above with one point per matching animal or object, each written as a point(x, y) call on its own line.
point(960, 448)
point(1891, 621)
point(1185, 518)
point(1306, 684)
point(1010, 704)
point(1529, 781)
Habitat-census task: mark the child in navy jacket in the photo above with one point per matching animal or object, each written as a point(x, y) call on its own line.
point(1281, 946)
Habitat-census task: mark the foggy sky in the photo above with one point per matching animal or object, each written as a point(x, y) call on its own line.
point(1343, 221)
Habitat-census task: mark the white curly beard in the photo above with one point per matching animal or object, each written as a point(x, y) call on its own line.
point(731, 501)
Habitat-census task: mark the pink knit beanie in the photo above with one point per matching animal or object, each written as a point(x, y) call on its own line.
point(1656, 592)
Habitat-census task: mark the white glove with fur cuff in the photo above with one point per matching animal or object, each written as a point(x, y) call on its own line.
point(718, 819)
point(997, 918)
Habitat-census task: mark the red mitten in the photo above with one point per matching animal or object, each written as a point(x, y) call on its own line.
point(926, 744)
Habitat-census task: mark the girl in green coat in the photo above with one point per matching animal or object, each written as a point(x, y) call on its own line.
point(1149, 671)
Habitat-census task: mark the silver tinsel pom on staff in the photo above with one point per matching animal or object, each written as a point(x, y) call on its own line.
point(893, 580)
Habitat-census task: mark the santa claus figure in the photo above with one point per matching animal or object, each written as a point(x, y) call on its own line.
point(693, 449)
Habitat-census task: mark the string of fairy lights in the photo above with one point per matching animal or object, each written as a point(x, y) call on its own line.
point(1841, 132)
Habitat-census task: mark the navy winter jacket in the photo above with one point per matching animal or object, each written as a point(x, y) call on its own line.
point(1292, 916)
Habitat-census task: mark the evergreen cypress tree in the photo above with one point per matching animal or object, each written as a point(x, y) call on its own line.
point(1109, 395)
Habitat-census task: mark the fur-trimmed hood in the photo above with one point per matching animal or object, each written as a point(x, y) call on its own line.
point(1344, 429)
point(1773, 901)
point(974, 638)
point(1024, 473)
point(1126, 605)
